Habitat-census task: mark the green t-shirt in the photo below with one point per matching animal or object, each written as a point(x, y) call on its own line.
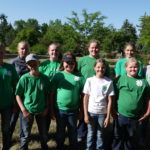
point(49, 68)
point(67, 88)
point(8, 79)
point(120, 67)
point(33, 91)
point(132, 95)
point(86, 66)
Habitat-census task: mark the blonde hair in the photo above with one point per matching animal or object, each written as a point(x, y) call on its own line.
point(131, 60)
point(25, 43)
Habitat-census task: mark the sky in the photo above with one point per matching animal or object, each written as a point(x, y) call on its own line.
point(116, 11)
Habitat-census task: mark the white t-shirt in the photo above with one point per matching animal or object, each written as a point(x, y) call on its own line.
point(99, 90)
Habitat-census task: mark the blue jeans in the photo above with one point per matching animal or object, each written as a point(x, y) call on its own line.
point(95, 138)
point(26, 126)
point(124, 132)
point(5, 125)
point(66, 119)
point(82, 129)
point(13, 122)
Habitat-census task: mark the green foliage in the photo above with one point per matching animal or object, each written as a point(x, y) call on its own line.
point(7, 32)
point(89, 27)
point(27, 34)
point(144, 28)
point(39, 49)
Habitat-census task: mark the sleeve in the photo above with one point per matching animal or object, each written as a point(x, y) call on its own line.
point(86, 89)
point(79, 64)
point(20, 87)
point(111, 90)
point(117, 68)
point(141, 72)
point(15, 76)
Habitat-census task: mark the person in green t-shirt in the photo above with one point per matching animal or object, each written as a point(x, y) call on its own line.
point(129, 50)
point(8, 80)
point(85, 67)
point(66, 88)
point(50, 67)
point(133, 105)
point(32, 97)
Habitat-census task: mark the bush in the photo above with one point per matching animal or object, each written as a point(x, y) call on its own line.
point(39, 49)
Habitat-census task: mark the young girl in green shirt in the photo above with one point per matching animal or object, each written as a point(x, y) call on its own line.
point(133, 105)
point(66, 95)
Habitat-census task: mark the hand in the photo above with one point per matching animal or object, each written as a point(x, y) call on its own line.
point(86, 119)
point(26, 114)
point(106, 122)
point(144, 117)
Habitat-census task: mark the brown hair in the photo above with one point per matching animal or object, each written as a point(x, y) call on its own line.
point(61, 68)
point(130, 44)
point(94, 41)
point(100, 61)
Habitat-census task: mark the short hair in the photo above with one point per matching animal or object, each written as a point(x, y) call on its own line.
point(24, 42)
point(131, 60)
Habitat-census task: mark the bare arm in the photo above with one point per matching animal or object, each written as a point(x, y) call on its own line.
point(109, 107)
point(85, 105)
point(23, 109)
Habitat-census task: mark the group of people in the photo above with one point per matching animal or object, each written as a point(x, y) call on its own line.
point(65, 89)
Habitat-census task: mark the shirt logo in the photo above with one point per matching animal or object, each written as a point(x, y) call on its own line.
point(104, 88)
point(76, 78)
point(139, 83)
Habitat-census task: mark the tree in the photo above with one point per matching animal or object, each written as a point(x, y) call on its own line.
point(19, 25)
point(7, 32)
point(129, 31)
point(144, 37)
point(90, 26)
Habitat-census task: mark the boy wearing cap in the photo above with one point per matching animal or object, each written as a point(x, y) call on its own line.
point(32, 97)
point(66, 94)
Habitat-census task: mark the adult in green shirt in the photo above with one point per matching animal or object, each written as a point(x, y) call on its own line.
point(50, 67)
point(129, 51)
point(86, 68)
point(8, 80)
